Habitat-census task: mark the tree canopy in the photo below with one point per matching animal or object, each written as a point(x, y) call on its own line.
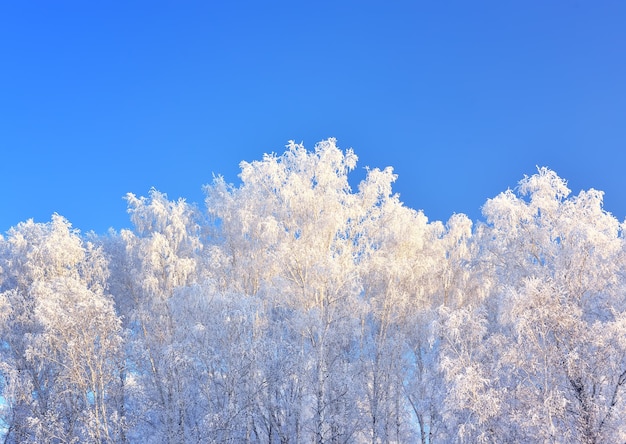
point(292, 308)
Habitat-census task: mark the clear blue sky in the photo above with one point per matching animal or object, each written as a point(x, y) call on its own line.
point(462, 98)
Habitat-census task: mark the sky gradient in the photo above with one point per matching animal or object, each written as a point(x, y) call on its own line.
point(461, 98)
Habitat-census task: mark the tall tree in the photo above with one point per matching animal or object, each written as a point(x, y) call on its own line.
point(61, 337)
point(161, 257)
point(552, 323)
point(399, 260)
point(287, 235)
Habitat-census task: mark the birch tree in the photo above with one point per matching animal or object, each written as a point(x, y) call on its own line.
point(161, 257)
point(61, 337)
point(552, 321)
point(399, 263)
point(287, 233)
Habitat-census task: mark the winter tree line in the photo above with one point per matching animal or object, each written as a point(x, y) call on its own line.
point(293, 309)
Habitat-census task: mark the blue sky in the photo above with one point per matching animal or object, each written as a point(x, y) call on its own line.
point(98, 99)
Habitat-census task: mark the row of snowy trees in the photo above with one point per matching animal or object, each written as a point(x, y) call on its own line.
point(297, 310)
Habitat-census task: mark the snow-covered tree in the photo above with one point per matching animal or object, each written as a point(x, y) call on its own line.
point(398, 263)
point(287, 234)
point(547, 360)
point(160, 257)
point(61, 337)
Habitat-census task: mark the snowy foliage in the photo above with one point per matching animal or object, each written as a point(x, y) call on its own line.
point(295, 309)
